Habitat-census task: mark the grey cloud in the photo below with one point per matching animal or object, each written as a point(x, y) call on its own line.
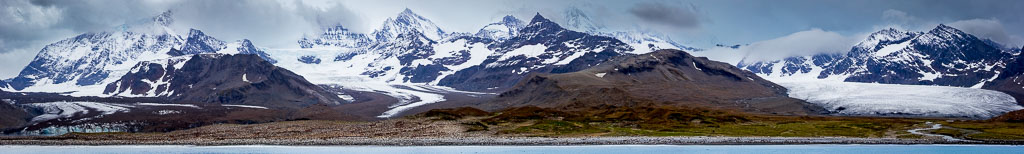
point(25, 24)
point(989, 29)
point(803, 43)
point(22, 22)
point(267, 23)
point(667, 14)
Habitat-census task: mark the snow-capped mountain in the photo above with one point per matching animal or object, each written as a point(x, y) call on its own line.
point(84, 63)
point(409, 48)
point(403, 51)
point(220, 78)
point(90, 58)
point(336, 36)
point(407, 22)
point(507, 28)
point(542, 46)
point(802, 67)
point(576, 19)
point(197, 43)
point(942, 56)
point(464, 61)
point(414, 56)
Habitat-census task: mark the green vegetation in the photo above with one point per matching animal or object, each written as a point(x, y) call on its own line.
point(985, 130)
point(813, 128)
point(675, 121)
point(669, 121)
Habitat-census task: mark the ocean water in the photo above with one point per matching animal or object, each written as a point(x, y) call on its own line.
point(592, 149)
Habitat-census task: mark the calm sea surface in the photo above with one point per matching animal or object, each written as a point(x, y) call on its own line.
point(596, 149)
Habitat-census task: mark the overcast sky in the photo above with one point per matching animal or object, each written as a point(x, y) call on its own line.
point(772, 28)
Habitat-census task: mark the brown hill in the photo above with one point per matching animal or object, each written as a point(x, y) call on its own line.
point(1015, 116)
point(661, 78)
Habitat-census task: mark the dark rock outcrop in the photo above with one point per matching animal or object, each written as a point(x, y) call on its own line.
point(217, 78)
point(1011, 80)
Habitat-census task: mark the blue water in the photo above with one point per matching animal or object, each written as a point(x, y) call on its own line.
point(596, 149)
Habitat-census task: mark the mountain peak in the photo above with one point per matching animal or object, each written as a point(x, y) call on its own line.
point(578, 20)
point(408, 14)
point(408, 22)
point(887, 30)
point(943, 26)
point(945, 29)
point(193, 33)
point(884, 37)
point(407, 11)
point(538, 18)
point(246, 43)
point(888, 34)
point(508, 27)
point(197, 42)
point(164, 18)
point(510, 19)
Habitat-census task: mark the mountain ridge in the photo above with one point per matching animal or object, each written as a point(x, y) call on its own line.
point(942, 56)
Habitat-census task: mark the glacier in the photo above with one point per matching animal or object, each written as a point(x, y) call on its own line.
point(892, 100)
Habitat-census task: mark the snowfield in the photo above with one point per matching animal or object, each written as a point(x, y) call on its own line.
point(890, 100)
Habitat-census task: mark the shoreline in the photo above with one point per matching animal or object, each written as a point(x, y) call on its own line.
point(514, 141)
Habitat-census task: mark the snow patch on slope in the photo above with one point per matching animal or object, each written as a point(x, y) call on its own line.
point(244, 106)
point(527, 51)
point(161, 104)
point(889, 49)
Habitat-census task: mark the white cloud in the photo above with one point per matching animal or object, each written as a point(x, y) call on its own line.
point(23, 13)
point(803, 43)
point(989, 29)
point(13, 60)
point(274, 24)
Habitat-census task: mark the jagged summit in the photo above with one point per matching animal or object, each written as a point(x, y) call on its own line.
point(164, 18)
point(508, 27)
point(337, 35)
point(943, 27)
point(87, 61)
point(407, 22)
point(578, 20)
point(198, 42)
point(943, 33)
point(509, 19)
point(407, 12)
point(538, 19)
point(884, 37)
